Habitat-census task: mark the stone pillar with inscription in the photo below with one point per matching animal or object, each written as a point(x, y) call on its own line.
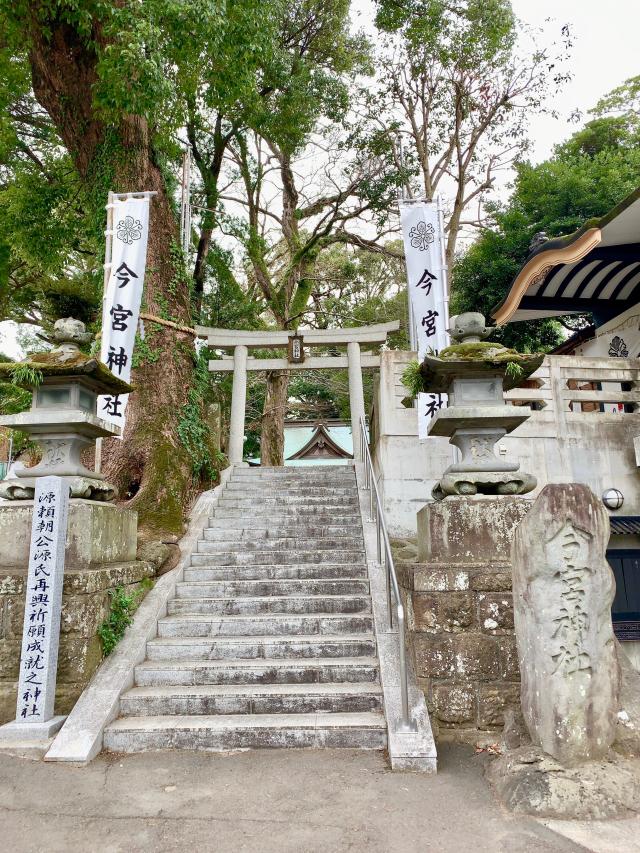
point(41, 628)
point(563, 589)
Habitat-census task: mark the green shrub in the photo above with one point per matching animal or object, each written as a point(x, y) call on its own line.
point(123, 606)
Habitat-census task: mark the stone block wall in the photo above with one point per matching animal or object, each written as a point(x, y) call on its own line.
point(459, 606)
point(85, 606)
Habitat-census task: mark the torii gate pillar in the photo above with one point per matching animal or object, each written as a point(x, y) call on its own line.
point(238, 404)
point(356, 395)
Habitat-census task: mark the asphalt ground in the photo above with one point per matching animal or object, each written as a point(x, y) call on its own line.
point(262, 801)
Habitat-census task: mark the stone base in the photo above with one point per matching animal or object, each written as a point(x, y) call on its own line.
point(469, 530)
point(484, 483)
point(98, 533)
point(460, 613)
point(528, 781)
point(29, 732)
point(90, 488)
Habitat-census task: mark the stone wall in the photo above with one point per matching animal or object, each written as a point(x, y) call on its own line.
point(460, 612)
point(85, 606)
point(99, 556)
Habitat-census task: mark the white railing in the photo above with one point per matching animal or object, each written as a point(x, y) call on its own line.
point(394, 600)
point(582, 385)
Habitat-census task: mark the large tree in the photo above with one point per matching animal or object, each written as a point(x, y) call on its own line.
point(104, 77)
point(95, 94)
point(586, 176)
point(303, 178)
point(457, 83)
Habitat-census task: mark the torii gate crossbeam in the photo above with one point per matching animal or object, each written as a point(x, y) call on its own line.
point(240, 341)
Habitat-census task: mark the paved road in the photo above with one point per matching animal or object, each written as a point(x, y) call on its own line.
point(286, 801)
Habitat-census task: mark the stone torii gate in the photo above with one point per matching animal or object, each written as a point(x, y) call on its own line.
point(240, 342)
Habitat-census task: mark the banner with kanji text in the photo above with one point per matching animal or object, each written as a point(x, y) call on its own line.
point(426, 279)
point(126, 260)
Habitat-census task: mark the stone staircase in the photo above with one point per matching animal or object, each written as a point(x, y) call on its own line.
point(269, 640)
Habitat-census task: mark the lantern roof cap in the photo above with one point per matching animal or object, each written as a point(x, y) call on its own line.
point(65, 361)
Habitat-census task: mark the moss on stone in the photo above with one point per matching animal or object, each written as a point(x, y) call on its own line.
point(65, 364)
point(486, 351)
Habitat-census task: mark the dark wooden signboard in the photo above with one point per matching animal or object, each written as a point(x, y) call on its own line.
point(296, 349)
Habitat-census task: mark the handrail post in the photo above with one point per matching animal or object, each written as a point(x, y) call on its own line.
point(387, 574)
point(405, 724)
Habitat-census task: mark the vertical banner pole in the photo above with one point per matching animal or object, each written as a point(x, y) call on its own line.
point(105, 281)
point(185, 205)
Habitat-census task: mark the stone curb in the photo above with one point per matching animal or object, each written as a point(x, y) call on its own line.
point(407, 750)
point(80, 738)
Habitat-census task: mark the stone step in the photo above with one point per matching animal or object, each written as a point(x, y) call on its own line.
point(215, 557)
point(217, 733)
point(283, 543)
point(296, 604)
point(250, 699)
point(286, 500)
point(251, 588)
point(296, 489)
point(201, 570)
point(314, 472)
point(263, 625)
point(241, 533)
point(290, 515)
point(261, 647)
point(274, 671)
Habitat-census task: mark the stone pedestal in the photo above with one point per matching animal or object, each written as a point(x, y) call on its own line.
point(469, 530)
point(460, 612)
point(98, 533)
point(100, 555)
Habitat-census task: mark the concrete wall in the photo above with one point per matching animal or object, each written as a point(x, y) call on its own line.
point(557, 444)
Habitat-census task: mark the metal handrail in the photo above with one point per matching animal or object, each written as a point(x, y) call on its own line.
point(406, 723)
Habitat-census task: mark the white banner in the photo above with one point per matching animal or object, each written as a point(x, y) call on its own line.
point(125, 267)
point(426, 278)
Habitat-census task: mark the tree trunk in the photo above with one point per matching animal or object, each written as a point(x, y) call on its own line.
point(273, 415)
point(150, 466)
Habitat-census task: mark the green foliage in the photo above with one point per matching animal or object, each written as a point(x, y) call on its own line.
point(192, 429)
point(123, 606)
point(24, 374)
point(587, 176)
point(143, 352)
point(513, 371)
point(412, 379)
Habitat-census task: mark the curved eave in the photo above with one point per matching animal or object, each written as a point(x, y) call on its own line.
point(550, 255)
point(563, 250)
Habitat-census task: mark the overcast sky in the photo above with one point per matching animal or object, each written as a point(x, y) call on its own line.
point(605, 53)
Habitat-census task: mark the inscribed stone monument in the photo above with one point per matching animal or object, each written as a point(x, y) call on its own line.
point(563, 588)
point(41, 631)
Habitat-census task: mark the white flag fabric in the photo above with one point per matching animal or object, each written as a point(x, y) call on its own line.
point(121, 305)
point(426, 278)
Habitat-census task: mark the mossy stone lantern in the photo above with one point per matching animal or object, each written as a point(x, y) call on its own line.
point(63, 418)
point(474, 374)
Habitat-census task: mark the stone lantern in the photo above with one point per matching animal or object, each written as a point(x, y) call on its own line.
point(474, 373)
point(63, 419)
